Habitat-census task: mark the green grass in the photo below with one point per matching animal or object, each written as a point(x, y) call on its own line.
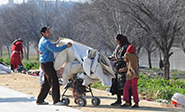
point(31, 60)
point(99, 86)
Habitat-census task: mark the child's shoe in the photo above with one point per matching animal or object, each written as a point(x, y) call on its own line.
point(127, 104)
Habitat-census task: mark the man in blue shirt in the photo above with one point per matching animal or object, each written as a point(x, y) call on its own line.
point(46, 50)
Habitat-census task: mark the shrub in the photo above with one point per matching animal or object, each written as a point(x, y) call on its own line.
point(6, 61)
point(159, 88)
point(31, 65)
point(26, 64)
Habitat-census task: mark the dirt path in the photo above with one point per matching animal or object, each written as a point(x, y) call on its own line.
point(30, 85)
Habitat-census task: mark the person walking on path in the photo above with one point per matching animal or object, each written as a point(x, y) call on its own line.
point(16, 54)
point(132, 77)
point(118, 57)
point(46, 50)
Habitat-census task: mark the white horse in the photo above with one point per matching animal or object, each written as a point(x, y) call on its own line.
point(86, 62)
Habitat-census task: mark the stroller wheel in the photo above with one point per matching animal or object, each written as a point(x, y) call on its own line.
point(66, 100)
point(95, 101)
point(82, 102)
point(76, 100)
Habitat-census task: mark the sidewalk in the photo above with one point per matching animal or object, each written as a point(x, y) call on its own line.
point(14, 101)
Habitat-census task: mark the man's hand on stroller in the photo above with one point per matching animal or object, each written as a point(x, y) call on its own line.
point(69, 44)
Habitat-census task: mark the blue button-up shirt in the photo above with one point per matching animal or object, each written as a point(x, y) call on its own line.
point(47, 48)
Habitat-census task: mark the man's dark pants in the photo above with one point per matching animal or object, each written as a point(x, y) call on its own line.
point(50, 81)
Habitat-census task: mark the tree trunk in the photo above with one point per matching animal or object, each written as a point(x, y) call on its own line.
point(149, 60)
point(8, 51)
point(27, 55)
point(1, 51)
point(25, 52)
point(37, 51)
point(166, 67)
point(37, 55)
point(138, 50)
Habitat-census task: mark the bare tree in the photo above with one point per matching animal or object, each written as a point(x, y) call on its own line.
point(162, 20)
point(146, 23)
point(101, 21)
point(8, 32)
point(150, 47)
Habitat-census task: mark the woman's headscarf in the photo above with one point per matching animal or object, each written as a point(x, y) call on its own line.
point(122, 39)
point(16, 40)
point(131, 49)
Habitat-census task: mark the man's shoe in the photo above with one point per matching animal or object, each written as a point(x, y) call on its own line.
point(125, 105)
point(42, 103)
point(60, 103)
point(116, 103)
point(135, 106)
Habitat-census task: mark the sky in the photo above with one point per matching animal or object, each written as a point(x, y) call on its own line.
point(20, 1)
point(6, 1)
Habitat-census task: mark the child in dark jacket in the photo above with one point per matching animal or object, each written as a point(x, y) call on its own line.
point(132, 76)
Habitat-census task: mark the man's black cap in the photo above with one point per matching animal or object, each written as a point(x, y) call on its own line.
point(43, 29)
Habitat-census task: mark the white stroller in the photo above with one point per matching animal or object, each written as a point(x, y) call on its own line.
point(79, 67)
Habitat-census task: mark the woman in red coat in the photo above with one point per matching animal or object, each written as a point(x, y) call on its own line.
point(16, 54)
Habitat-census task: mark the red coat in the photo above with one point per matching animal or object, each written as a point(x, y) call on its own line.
point(15, 55)
point(17, 47)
